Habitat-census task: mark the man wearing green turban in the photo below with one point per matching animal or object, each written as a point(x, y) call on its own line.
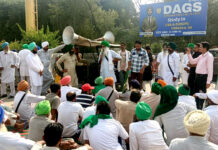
point(153, 99)
point(91, 110)
point(170, 113)
point(101, 131)
point(184, 96)
point(171, 65)
point(99, 85)
point(106, 58)
point(145, 133)
point(38, 123)
point(24, 71)
point(35, 69)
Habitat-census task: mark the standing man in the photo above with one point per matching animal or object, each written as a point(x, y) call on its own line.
point(192, 74)
point(24, 72)
point(122, 65)
point(147, 75)
point(160, 57)
point(138, 61)
point(8, 61)
point(106, 58)
point(35, 69)
point(171, 66)
point(204, 71)
point(45, 56)
point(70, 61)
point(185, 68)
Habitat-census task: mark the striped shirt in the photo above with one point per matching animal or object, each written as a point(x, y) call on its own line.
point(85, 100)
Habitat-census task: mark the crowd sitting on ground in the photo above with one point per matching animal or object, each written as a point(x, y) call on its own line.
point(104, 121)
point(100, 117)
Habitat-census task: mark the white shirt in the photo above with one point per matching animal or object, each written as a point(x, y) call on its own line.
point(13, 141)
point(35, 66)
point(6, 60)
point(190, 100)
point(104, 135)
point(160, 57)
point(68, 116)
point(66, 89)
point(89, 111)
point(25, 110)
point(173, 121)
point(174, 61)
point(192, 143)
point(23, 64)
point(146, 135)
point(212, 133)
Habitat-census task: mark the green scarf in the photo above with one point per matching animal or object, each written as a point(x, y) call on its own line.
point(169, 99)
point(93, 120)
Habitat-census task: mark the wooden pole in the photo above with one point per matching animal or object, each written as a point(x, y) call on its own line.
point(30, 15)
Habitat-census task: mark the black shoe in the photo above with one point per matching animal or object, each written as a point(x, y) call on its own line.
point(3, 96)
point(10, 97)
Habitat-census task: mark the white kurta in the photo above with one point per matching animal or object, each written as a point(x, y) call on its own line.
point(107, 66)
point(6, 60)
point(174, 61)
point(212, 133)
point(146, 135)
point(66, 89)
point(190, 100)
point(185, 75)
point(24, 71)
point(192, 143)
point(13, 141)
point(68, 116)
point(104, 135)
point(173, 121)
point(160, 57)
point(35, 66)
point(25, 110)
point(45, 57)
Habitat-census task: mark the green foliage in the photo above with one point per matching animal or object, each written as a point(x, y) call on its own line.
point(156, 48)
point(40, 36)
point(16, 45)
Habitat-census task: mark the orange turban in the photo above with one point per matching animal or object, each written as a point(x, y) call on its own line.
point(162, 82)
point(109, 81)
point(65, 80)
point(22, 85)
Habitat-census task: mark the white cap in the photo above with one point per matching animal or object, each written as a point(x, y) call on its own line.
point(213, 96)
point(44, 44)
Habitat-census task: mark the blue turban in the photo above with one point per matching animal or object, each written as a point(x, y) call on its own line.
point(2, 113)
point(5, 44)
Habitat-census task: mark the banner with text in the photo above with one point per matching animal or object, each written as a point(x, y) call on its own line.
point(178, 18)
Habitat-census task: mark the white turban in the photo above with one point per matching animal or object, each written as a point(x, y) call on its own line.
point(44, 44)
point(197, 122)
point(213, 96)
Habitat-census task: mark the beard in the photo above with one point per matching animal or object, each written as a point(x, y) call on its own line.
point(71, 52)
point(105, 50)
point(34, 52)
